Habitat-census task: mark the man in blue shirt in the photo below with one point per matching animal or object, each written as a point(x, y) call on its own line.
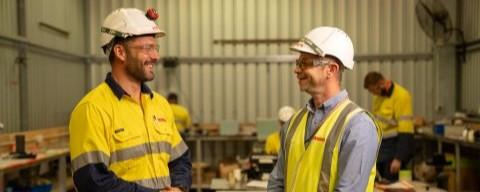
point(324, 53)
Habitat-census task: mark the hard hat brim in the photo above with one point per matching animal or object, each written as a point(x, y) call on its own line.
point(302, 49)
point(305, 49)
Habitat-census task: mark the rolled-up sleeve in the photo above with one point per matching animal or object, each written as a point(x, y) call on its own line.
point(358, 152)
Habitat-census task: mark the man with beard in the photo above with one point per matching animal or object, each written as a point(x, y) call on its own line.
point(122, 134)
point(392, 107)
point(330, 144)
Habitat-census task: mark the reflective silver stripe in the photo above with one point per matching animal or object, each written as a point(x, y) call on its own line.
point(178, 150)
point(387, 121)
point(389, 134)
point(92, 157)
point(179, 121)
point(155, 183)
point(333, 137)
point(139, 151)
point(290, 131)
point(405, 118)
point(312, 46)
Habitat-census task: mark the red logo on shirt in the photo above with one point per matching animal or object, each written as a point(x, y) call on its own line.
point(159, 119)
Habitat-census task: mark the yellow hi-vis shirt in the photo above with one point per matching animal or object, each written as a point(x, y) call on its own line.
point(182, 117)
point(136, 141)
point(272, 144)
point(394, 114)
point(315, 168)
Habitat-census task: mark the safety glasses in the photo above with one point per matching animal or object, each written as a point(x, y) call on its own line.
point(308, 63)
point(146, 48)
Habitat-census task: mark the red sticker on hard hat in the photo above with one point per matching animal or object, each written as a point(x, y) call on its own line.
point(152, 14)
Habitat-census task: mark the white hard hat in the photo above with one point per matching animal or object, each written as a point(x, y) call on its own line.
point(285, 113)
point(128, 22)
point(324, 41)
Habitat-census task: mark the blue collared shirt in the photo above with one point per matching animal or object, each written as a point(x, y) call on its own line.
point(358, 149)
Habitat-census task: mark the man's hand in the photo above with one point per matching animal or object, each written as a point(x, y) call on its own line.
point(395, 166)
point(171, 189)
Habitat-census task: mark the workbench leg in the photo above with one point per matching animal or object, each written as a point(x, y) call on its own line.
point(198, 159)
point(439, 147)
point(2, 181)
point(62, 174)
point(457, 166)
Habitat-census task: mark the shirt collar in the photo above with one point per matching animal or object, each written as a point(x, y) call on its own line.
point(330, 103)
point(390, 91)
point(119, 92)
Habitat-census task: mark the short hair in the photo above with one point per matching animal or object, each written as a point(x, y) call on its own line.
point(172, 96)
point(372, 78)
point(341, 68)
point(111, 45)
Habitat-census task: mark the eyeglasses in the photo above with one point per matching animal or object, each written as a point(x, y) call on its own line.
point(149, 48)
point(308, 63)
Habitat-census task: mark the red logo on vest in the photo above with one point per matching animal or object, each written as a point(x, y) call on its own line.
point(319, 139)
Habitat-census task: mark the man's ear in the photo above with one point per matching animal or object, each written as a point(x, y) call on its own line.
point(120, 52)
point(333, 70)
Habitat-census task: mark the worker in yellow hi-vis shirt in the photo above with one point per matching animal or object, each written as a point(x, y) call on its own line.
point(272, 143)
point(392, 108)
point(182, 117)
point(122, 134)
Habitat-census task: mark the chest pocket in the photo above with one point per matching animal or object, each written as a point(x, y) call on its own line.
point(126, 137)
point(163, 130)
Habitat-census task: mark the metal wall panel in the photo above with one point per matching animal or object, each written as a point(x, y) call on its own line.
point(9, 74)
point(57, 24)
point(471, 69)
point(9, 90)
point(54, 87)
point(8, 17)
point(246, 91)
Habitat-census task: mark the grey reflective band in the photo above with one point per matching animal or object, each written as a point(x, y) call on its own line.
point(179, 121)
point(115, 33)
point(379, 131)
point(312, 46)
point(155, 183)
point(178, 150)
point(143, 149)
point(335, 135)
point(293, 125)
point(390, 134)
point(405, 118)
point(92, 157)
point(390, 122)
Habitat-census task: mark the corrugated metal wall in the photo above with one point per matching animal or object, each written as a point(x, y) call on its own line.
point(55, 86)
point(9, 85)
point(246, 91)
point(471, 69)
point(54, 83)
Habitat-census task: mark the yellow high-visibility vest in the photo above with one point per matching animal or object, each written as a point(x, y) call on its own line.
point(315, 168)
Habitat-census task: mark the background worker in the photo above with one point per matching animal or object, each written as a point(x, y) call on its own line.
point(123, 135)
point(330, 144)
point(392, 108)
point(181, 114)
point(272, 143)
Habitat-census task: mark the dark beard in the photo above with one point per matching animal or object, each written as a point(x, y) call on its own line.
point(384, 92)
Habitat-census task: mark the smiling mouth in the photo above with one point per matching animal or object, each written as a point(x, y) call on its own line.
point(301, 77)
